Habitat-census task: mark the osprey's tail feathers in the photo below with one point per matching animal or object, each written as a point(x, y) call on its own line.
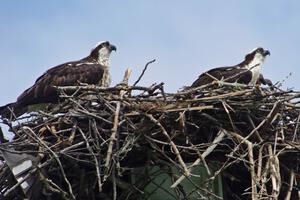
point(5, 110)
point(12, 110)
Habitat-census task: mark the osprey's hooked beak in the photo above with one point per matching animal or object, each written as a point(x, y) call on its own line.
point(266, 53)
point(112, 48)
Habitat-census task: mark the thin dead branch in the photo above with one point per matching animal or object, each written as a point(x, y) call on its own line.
point(112, 143)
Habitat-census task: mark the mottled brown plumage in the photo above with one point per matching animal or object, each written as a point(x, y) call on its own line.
point(243, 72)
point(222, 73)
point(94, 69)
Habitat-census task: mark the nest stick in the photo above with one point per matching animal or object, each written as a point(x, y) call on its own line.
point(31, 172)
point(111, 140)
point(296, 128)
point(173, 145)
point(114, 129)
point(216, 141)
point(143, 72)
point(292, 179)
point(50, 185)
point(265, 121)
point(56, 157)
point(274, 172)
point(254, 194)
point(120, 125)
point(95, 159)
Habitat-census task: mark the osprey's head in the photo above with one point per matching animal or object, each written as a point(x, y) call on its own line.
point(260, 51)
point(257, 55)
point(102, 52)
point(253, 62)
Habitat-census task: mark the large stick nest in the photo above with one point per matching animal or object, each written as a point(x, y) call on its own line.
point(88, 145)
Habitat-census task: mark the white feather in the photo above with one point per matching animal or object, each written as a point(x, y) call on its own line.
point(255, 67)
point(103, 59)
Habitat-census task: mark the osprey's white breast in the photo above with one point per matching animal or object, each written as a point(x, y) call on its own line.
point(106, 80)
point(103, 60)
point(255, 74)
point(255, 67)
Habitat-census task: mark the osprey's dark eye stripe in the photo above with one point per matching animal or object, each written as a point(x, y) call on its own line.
point(246, 72)
point(260, 50)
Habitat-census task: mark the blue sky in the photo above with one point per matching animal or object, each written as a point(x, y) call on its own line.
point(186, 37)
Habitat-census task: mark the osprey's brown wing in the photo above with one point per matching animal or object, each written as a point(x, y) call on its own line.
point(228, 74)
point(63, 75)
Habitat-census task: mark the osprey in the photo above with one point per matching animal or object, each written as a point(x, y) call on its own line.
point(93, 69)
point(247, 72)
